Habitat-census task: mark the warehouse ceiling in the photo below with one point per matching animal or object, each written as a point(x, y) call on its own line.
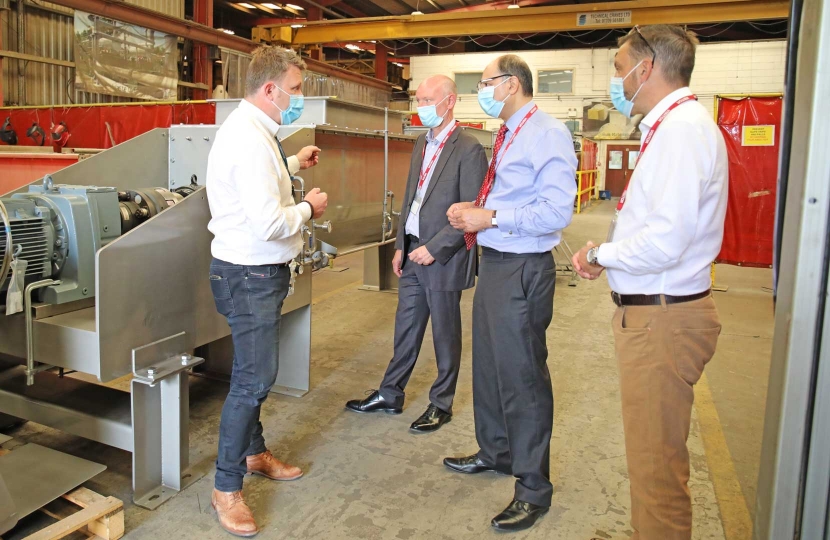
point(241, 17)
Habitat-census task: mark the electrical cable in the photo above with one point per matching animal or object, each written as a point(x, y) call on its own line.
point(7, 256)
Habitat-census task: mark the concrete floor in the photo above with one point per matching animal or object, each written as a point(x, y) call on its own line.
point(367, 477)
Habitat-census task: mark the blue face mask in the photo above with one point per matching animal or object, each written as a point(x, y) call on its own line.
point(487, 100)
point(294, 110)
point(618, 94)
point(429, 116)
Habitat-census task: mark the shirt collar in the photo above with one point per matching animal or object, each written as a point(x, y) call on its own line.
point(514, 121)
point(648, 121)
point(259, 115)
point(433, 139)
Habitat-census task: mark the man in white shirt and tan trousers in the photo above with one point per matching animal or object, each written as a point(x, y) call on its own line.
point(257, 232)
point(667, 232)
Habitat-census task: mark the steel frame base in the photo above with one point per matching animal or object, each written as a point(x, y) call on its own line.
point(152, 422)
point(377, 269)
point(293, 378)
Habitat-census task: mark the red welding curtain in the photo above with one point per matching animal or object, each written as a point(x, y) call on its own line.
point(105, 126)
point(753, 176)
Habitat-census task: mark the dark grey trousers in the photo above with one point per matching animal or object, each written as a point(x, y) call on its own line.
point(512, 393)
point(416, 304)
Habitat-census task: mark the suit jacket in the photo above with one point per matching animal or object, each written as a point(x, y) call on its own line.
point(459, 173)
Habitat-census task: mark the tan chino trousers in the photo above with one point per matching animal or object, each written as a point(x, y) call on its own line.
point(661, 351)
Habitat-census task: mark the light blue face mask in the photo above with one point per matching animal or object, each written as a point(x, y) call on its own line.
point(429, 116)
point(294, 110)
point(487, 100)
point(622, 104)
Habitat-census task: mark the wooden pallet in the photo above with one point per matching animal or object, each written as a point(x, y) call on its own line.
point(98, 517)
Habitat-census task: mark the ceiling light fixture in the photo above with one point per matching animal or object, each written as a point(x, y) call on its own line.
point(353, 47)
point(246, 5)
point(294, 6)
point(513, 6)
point(297, 25)
point(272, 6)
point(231, 32)
point(418, 9)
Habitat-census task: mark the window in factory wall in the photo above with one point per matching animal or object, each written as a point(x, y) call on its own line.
point(556, 81)
point(467, 83)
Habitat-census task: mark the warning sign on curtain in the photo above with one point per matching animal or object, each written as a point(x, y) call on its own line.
point(758, 136)
point(122, 59)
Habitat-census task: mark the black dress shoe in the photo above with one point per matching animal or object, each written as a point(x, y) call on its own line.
point(373, 403)
point(467, 465)
point(432, 419)
point(518, 516)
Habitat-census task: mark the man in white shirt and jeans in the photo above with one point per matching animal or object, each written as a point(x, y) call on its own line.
point(667, 232)
point(257, 232)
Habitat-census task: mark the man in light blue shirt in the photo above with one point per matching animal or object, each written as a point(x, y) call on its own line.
point(525, 201)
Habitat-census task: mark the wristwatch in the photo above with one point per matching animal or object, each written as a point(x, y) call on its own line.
point(493, 221)
point(592, 256)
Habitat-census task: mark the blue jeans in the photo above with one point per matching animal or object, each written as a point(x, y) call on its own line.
point(250, 298)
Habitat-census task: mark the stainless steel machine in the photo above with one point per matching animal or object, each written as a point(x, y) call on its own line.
point(119, 252)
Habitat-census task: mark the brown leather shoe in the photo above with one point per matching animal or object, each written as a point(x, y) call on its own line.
point(234, 515)
point(265, 464)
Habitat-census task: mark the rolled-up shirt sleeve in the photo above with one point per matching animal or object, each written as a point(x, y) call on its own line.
point(257, 182)
point(554, 163)
point(293, 164)
point(674, 191)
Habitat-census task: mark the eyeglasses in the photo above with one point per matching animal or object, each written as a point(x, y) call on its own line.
point(653, 52)
point(483, 83)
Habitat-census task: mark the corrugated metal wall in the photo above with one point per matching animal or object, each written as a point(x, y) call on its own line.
point(48, 31)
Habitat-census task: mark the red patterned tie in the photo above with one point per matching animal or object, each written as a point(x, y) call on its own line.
point(487, 186)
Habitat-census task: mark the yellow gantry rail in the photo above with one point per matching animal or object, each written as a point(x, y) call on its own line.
point(532, 20)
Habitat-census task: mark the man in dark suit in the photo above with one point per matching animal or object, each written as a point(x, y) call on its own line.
point(448, 166)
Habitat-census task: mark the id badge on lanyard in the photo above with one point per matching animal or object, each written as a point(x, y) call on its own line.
point(416, 206)
point(646, 142)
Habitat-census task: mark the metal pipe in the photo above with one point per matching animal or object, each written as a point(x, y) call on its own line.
point(364, 247)
point(30, 338)
point(385, 173)
point(21, 42)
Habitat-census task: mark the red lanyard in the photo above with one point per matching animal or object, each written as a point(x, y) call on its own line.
point(490, 179)
point(518, 129)
point(647, 140)
point(425, 172)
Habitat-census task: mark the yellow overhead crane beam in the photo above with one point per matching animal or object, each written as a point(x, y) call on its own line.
point(532, 20)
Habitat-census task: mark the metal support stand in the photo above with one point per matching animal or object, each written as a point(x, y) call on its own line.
point(295, 349)
point(377, 268)
point(160, 417)
point(715, 286)
point(562, 256)
point(295, 345)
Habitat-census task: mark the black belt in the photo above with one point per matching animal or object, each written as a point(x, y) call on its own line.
point(655, 299)
point(413, 238)
point(493, 253)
